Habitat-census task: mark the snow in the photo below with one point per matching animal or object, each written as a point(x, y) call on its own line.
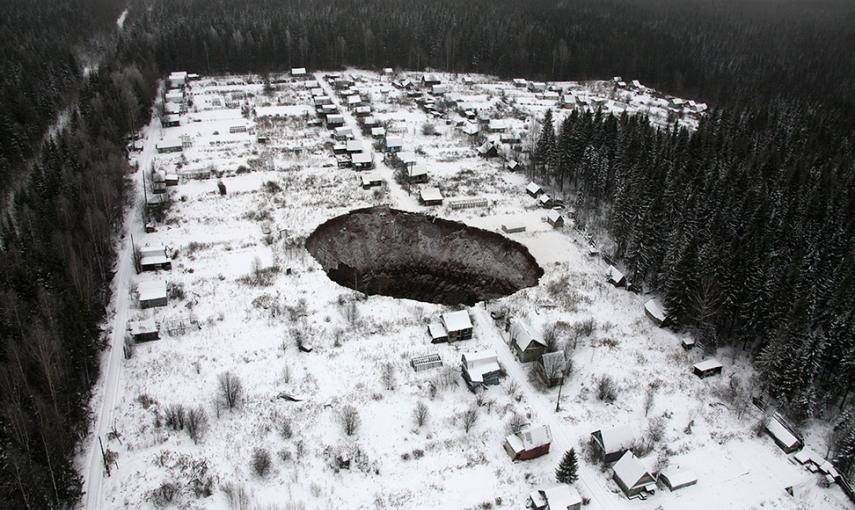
point(248, 328)
point(151, 290)
point(629, 470)
point(776, 428)
point(430, 194)
point(480, 363)
point(521, 335)
point(456, 321)
point(709, 364)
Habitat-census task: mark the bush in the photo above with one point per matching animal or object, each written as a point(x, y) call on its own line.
point(420, 414)
point(197, 423)
point(175, 416)
point(606, 389)
point(349, 419)
point(261, 461)
point(164, 495)
point(231, 390)
point(285, 428)
point(428, 129)
point(469, 417)
point(387, 376)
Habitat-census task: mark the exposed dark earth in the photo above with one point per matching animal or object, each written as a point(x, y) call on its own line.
point(379, 250)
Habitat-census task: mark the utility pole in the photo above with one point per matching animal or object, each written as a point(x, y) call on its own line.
point(558, 401)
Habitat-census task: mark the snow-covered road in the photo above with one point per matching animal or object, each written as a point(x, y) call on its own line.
point(108, 389)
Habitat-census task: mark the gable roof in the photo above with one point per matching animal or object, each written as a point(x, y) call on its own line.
point(562, 497)
point(533, 188)
point(430, 194)
point(530, 438)
point(479, 363)
point(655, 308)
point(522, 337)
point(631, 472)
point(617, 438)
point(152, 290)
point(457, 321)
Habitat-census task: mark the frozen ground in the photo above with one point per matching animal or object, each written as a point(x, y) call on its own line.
point(232, 315)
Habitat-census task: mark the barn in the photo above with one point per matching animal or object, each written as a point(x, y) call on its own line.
point(529, 443)
point(525, 345)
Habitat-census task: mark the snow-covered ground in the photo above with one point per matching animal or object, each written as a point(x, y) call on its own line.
point(222, 318)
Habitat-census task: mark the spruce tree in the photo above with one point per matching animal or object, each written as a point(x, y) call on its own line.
point(567, 471)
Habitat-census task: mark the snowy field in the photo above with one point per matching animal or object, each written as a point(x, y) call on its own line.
point(242, 290)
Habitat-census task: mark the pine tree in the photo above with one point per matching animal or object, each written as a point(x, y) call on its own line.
point(567, 471)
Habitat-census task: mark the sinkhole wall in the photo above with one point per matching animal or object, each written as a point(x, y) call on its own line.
point(379, 250)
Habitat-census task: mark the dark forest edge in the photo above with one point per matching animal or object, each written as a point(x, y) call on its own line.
point(745, 226)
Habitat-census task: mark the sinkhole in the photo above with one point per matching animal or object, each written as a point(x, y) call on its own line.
point(384, 251)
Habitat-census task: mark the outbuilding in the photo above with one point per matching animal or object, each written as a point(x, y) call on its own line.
point(525, 345)
point(784, 436)
point(656, 312)
point(676, 479)
point(707, 368)
point(615, 277)
point(437, 333)
point(458, 325)
point(533, 190)
point(611, 443)
point(555, 219)
point(152, 294)
point(430, 196)
point(488, 150)
point(480, 368)
point(512, 165)
point(529, 443)
point(152, 258)
point(560, 497)
point(145, 330)
point(632, 477)
point(371, 179)
point(544, 200)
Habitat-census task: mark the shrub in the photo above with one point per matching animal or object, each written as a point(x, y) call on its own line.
point(197, 423)
point(175, 416)
point(469, 417)
point(420, 414)
point(231, 390)
point(606, 389)
point(261, 461)
point(285, 428)
point(349, 419)
point(164, 495)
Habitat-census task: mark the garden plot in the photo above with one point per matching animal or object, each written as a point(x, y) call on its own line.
point(309, 353)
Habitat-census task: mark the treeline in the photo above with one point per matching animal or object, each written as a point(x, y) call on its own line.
point(725, 52)
point(57, 234)
point(745, 227)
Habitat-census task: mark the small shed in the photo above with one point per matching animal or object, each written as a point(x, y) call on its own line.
point(513, 165)
point(525, 345)
point(458, 325)
point(529, 443)
point(707, 368)
point(480, 368)
point(615, 277)
point(152, 294)
point(488, 150)
point(611, 443)
point(145, 330)
point(393, 144)
point(560, 497)
point(378, 132)
point(676, 479)
point(437, 333)
point(416, 174)
point(153, 258)
point(555, 219)
point(544, 200)
point(371, 179)
point(513, 227)
point(430, 196)
point(426, 362)
point(298, 72)
point(632, 477)
point(533, 190)
point(784, 437)
point(656, 312)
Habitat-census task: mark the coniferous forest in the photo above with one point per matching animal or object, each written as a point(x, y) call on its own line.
point(746, 226)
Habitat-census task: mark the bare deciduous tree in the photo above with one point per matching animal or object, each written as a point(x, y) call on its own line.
point(350, 419)
point(420, 414)
point(197, 423)
point(469, 417)
point(231, 390)
point(387, 376)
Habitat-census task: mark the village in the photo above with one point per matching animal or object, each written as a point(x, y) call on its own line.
point(255, 372)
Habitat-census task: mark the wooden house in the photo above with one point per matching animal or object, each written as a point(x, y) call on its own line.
point(335, 120)
point(512, 166)
point(362, 160)
point(416, 174)
point(611, 443)
point(544, 200)
point(707, 368)
point(370, 179)
point(615, 277)
point(170, 120)
point(430, 196)
point(560, 497)
point(488, 150)
point(632, 477)
point(378, 132)
point(480, 369)
point(458, 325)
point(525, 345)
point(152, 294)
point(145, 330)
point(169, 146)
point(656, 312)
point(393, 144)
point(555, 219)
point(429, 80)
point(784, 436)
point(437, 333)
point(152, 258)
point(533, 190)
point(529, 443)
point(342, 134)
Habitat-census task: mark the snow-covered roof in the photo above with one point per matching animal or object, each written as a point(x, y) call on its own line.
point(521, 336)
point(152, 290)
point(562, 497)
point(471, 129)
point(150, 249)
point(371, 177)
point(354, 99)
point(149, 260)
point(544, 198)
point(529, 438)
point(778, 430)
point(298, 71)
point(430, 194)
point(355, 146)
point(497, 124)
point(457, 321)
point(553, 216)
point(416, 171)
point(655, 309)
point(436, 330)
point(141, 327)
point(808, 455)
point(479, 363)
point(394, 141)
point(343, 130)
point(335, 118)
point(362, 158)
point(317, 92)
point(630, 470)
point(679, 477)
point(707, 364)
point(614, 274)
point(532, 188)
point(617, 438)
point(407, 157)
point(363, 109)
point(378, 131)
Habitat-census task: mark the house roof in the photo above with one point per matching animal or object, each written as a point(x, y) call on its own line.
point(707, 364)
point(355, 146)
point(416, 171)
point(336, 117)
point(530, 438)
point(371, 177)
point(630, 470)
point(354, 99)
point(436, 330)
point(152, 249)
point(614, 274)
point(142, 327)
point(497, 124)
point(394, 141)
point(544, 198)
point(152, 290)
point(471, 129)
point(553, 362)
point(562, 497)
point(779, 431)
point(532, 188)
point(457, 321)
point(149, 260)
point(406, 157)
point(343, 130)
point(479, 363)
point(655, 308)
point(553, 216)
point(521, 336)
point(617, 438)
point(679, 477)
point(430, 194)
point(362, 157)
point(378, 131)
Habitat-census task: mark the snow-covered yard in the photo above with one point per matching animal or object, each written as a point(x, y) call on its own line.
point(244, 290)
